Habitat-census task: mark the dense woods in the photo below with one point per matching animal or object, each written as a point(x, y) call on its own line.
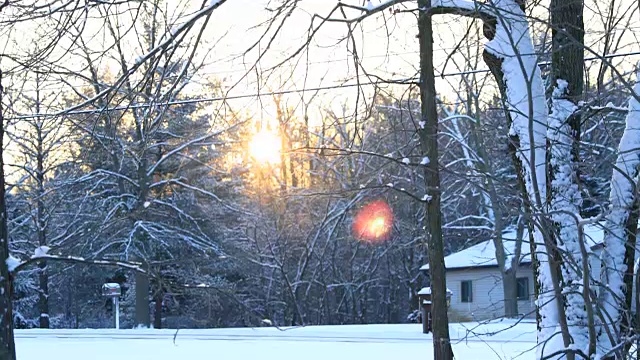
point(127, 160)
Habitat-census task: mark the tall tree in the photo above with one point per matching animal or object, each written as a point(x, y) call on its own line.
point(429, 144)
point(7, 344)
point(37, 151)
point(565, 200)
point(52, 41)
point(619, 254)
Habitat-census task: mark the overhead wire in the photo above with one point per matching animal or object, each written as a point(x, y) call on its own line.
point(406, 81)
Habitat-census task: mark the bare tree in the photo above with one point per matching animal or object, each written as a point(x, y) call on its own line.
point(25, 11)
point(7, 345)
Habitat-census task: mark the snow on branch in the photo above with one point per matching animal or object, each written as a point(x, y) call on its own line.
point(16, 265)
point(458, 4)
point(185, 145)
point(13, 263)
point(471, 8)
point(565, 205)
point(163, 46)
point(625, 177)
point(525, 94)
point(524, 91)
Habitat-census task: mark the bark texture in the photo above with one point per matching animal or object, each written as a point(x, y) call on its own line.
point(43, 276)
point(564, 198)
point(143, 317)
point(429, 145)
point(620, 232)
point(7, 345)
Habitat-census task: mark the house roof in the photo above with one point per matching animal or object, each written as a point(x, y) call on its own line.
point(484, 254)
point(427, 291)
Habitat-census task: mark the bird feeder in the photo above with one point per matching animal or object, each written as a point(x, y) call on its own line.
point(113, 291)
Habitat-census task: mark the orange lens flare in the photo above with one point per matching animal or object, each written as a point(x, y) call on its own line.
point(373, 223)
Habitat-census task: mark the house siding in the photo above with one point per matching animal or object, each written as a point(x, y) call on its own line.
point(488, 299)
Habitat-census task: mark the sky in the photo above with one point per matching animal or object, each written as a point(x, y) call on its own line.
point(388, 50)
point(387, 47)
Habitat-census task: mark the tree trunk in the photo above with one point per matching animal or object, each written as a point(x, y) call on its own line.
point(620, 231)
point(429, 145)
point(629, 260)
point(7, 344)
point(564, 198)
point(43, 276)
point(143, 318)
point(43, 295)
point(510, 277)
point(492, 202)
point(510, 290)
point(495, 66)
point(567, 30)
point(157, 315)
point(527, 115)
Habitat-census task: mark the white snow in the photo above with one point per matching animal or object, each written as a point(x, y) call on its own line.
point(425, 161)
point(12, 263)
point(111, 286)
point(146, 204)
point(427, 291)
point(345, 342)
point(512, 43)
point(41, 251)
point(621, 199)
point(370, 7)
point(462, 4)
point(406, 161)
point(565, 205)
point(484, 253)
point(525, 95)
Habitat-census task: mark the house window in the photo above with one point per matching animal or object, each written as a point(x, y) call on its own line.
point(523, 288)
point(466, 291)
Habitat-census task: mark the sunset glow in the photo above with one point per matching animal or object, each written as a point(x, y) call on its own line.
point(373, 223)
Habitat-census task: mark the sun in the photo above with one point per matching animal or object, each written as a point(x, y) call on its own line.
point(265, 147)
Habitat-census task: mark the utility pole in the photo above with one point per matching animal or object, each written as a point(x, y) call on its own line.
point(428, 133)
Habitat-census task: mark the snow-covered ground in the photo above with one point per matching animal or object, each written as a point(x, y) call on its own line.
point(504, 340)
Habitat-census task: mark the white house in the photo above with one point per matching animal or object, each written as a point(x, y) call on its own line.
point(475, 280)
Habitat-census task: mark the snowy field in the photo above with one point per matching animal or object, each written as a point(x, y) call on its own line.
point(502, 340)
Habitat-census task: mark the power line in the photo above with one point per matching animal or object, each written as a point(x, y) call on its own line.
point(319, 62)
point(210, 99)
point(407, 81)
